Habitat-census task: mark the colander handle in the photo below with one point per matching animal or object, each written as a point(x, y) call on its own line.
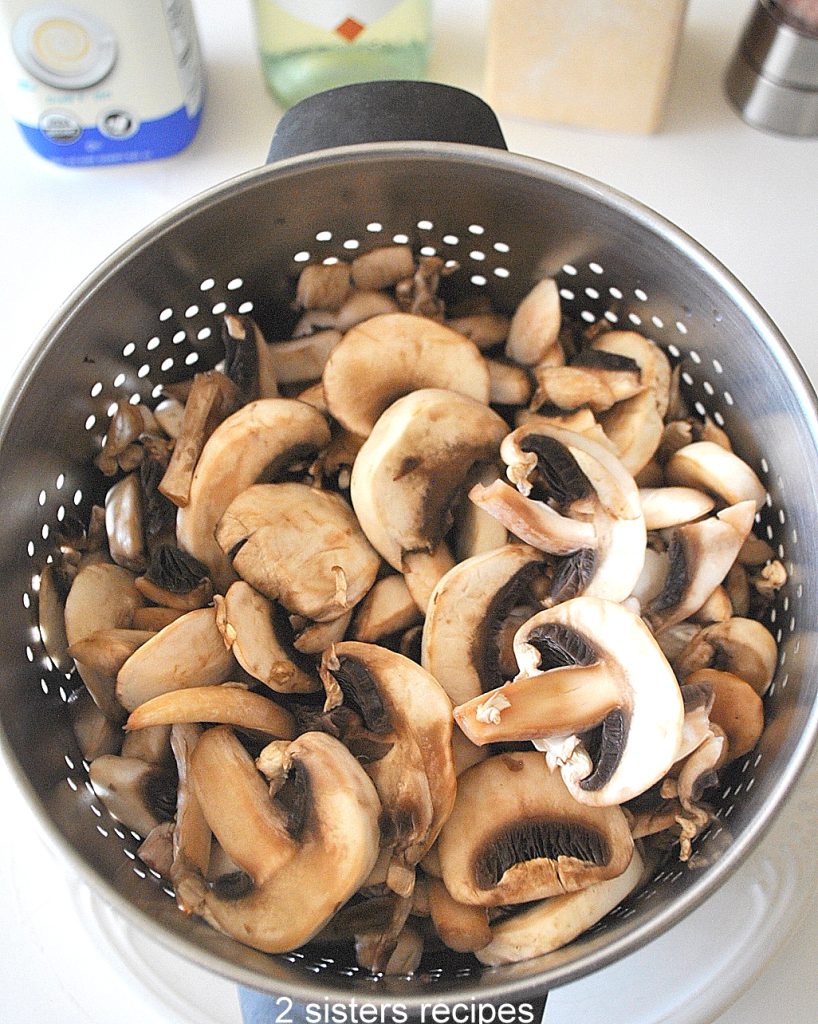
point(385, 112)
point(260, 1008)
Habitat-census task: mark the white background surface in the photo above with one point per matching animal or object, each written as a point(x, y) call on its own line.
point(751, 198)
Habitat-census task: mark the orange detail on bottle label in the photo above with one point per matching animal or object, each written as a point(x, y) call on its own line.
point(349, 29)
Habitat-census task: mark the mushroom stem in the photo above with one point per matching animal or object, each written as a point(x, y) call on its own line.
point(533, 521)
point(228, 704)
point(558, 702)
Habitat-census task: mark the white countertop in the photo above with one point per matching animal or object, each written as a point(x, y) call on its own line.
point(749, 197)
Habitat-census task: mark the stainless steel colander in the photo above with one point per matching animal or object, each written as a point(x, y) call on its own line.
point(152, 313)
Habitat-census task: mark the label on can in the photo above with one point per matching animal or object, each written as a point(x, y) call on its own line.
point(101, 82)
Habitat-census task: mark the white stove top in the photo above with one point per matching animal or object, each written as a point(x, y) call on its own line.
point(749, 197)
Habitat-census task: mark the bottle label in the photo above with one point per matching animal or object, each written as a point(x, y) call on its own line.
point(346, 19)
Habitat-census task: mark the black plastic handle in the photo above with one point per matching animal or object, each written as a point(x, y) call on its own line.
point(399, 111)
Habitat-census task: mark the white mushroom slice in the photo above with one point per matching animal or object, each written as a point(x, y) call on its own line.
point(152, 618)
point(362, 305)
point(651, 475)
point(535, 325)
point(461, 927)
point(388, 608)
point(139, 795)
point(382, 267)
point(247, 623)
point(389, 356)
point(408, 710)
point(422, 571)
point(736, 709)
point(192, 838)
point(100, 656)
point(123, 523)
point(316, 637)
point(652, 577)
point(466, 612)
point(653, 364)
point(474, 530)
point(188, 652)
point(409, 471)
point(601, 648)
point(634, 426)
point(323, 286)
point(169, 415)
point(569, 387)
point(314, 396)
point(95, 733)
point(675, 639)
point(516, 834)
point(261, 439)
point(228, 704)
point(673, 506)
point(405, 953)
point(717, 607)
point(742, 646)
point(709, 467)
point(285, 843)
point(303, 358)
point(151, 744)
point(102, 596)
point(700, 556)
point(299, 546)
point(248, 361)
point(555, 922)
point(485, 329)
point(510, 384)
point(737, 585)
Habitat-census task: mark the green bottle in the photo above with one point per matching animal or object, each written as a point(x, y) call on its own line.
point(309, 46)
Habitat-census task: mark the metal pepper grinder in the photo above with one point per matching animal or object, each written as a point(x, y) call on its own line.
point(773, 78)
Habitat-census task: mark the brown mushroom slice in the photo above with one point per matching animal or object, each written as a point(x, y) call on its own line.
point(423, 570)
point(700, 555)
point(151, 744)
point(409, 472)
point(404, 953)
point(363, 304)
point(403, 704)
point(554, 922)
point(226, 704)
point(509, 384)
point(636, 742)
point(652, 578)
point(389, 356)
point(286, 842)
point(192, 838)
point(247, 623)
point(156, 849)
point(316, 637)
point(474, 530)
point(535, 325)
point(382, 267)
point(737, 709)
point(485, 329)
point(388, 608)
point(303, 358)
point(299, 546)
point(153, 618)
point(324, 286)
point(569, 387)
point(169, 414)
point(260, 440)
point(123, 523)
point(461, 927)
point(213, 396)
point(95, 733)
point(175, 579)
point(188, 652)
point(673, 506)
point(138, 794)
point(516, 834)
point(634, 426)
point(709, 467)
point(717, 607)
point(102, 596)
point(468, 607)
point(654, 366)
point(696, 773)
point(248, 358)
point(742, 646)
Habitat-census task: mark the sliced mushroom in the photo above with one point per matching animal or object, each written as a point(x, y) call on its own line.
point(139, 795)
point(461, 927)
point(300, 866)
point(516, 834)
point(169, 414)
point(535, 325)
point(303, 358)
point(709, 467)
point(54, 587)
point(654, 366)
point(299, 546)
point(260, 440)
point(388, 608)
point(250, 626)
point(382, 267)
point(569, 387)
point(716, 608)
point(102, 596)
point(700, 555)
point(461, 635)
point(587, 665)
point(474, 530)
point(151, 744)
point(384, 358)
point(96, 734)
point(123, 523)
point(153, 618)
point(652, 578)
point(423, 570)
point(362, 305)
point(192, 838)
point(403, 705)
point(404, 956)
point(247, 358)
point(227, 704)
point(485, 329)
point(323, 286)
point(510, 384)
point(737, 709)
point(555, 922)
point(188, 652)
point(673, 506)
point(742, 646)
point(634, 426)
point(316, 637)
point(409, 472)
point(175, 579)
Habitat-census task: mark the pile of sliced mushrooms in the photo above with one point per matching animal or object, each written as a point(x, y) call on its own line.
point(427, 626)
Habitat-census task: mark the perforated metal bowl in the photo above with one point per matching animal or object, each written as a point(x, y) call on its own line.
point(152, 313)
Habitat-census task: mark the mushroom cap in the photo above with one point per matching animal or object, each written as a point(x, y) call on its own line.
point(535, 326)
point(409, 471)
point(673, 506)
point(300, 546)
point(739, 645)
point(467, 609)
point(737, 709)
point(388, 356)
point(654, 366)
point(516, 834)
point(709, 467)
point(640, 737)
point(262, 437)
